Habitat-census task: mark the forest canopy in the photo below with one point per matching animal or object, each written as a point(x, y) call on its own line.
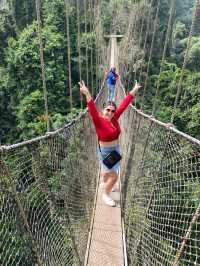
point(64, 27)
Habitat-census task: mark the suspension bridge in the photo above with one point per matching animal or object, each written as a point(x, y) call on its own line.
point(51, 208)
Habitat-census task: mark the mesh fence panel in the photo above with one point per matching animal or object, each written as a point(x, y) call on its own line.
point(48, 188)
point(160, 176)
point(47, 193)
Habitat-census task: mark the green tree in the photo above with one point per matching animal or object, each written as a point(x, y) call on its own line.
point(23, 12)
point(30, 115)
point(8, 130)
point(25, 71)
point(7, 29)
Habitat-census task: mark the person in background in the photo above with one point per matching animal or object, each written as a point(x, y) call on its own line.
point(111, 79)
point(108, 130)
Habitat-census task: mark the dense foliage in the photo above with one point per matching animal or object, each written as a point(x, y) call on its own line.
point(22, 103)
point(20, 68)
point(137, 54)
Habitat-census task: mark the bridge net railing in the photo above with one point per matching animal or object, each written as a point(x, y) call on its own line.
point(160, 175)
point(47, 190)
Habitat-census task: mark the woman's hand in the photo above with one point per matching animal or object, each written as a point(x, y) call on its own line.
point(136, 87)
point(85, 91)
point(118, 78)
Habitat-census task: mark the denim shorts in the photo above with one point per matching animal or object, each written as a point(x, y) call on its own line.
point(103, 153)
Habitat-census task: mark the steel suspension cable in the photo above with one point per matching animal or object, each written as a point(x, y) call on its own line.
point(39, 31)
point(67, 8)
point(79, 47)
point(78, 39)
point(139, 44)
point(146, 36)
point(126, 43)
point(97, 43)
point(151, 51)
point(86, 44)
point(169, 27)
point(194, 18)
point(131, 24)
point(91, 46)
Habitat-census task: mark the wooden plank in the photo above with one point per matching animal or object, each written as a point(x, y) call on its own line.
point(106, 247)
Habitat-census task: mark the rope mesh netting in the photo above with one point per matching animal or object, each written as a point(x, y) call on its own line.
point(160, 176)
point(48, 188)
point(47, 194)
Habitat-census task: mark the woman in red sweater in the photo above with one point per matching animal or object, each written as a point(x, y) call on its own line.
point(108, 131)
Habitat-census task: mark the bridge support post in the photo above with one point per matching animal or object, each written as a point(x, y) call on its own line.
point(186, 237)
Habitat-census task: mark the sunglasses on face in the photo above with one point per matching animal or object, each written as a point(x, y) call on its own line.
point(110, 110)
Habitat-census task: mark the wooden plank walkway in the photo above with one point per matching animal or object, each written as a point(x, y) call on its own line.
point(106, 247)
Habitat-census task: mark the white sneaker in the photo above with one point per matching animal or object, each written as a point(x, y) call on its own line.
point(114, 189)
point(108, 200)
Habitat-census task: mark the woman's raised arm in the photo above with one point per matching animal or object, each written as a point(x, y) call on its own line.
point(127, 100)
point(85, 91)
point(90, 103)
point(136, 87)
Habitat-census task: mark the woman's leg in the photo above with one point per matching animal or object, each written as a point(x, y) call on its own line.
point(111, 179)
point(109, 92)
point(105, 176)
point(112, 93)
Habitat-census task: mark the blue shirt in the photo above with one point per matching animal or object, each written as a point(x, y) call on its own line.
point(111, 78)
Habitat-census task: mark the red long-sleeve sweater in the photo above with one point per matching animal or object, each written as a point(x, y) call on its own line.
point(108, 130)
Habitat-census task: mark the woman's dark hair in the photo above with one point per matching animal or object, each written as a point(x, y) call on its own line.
point(113, 69)
point(111, 103)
